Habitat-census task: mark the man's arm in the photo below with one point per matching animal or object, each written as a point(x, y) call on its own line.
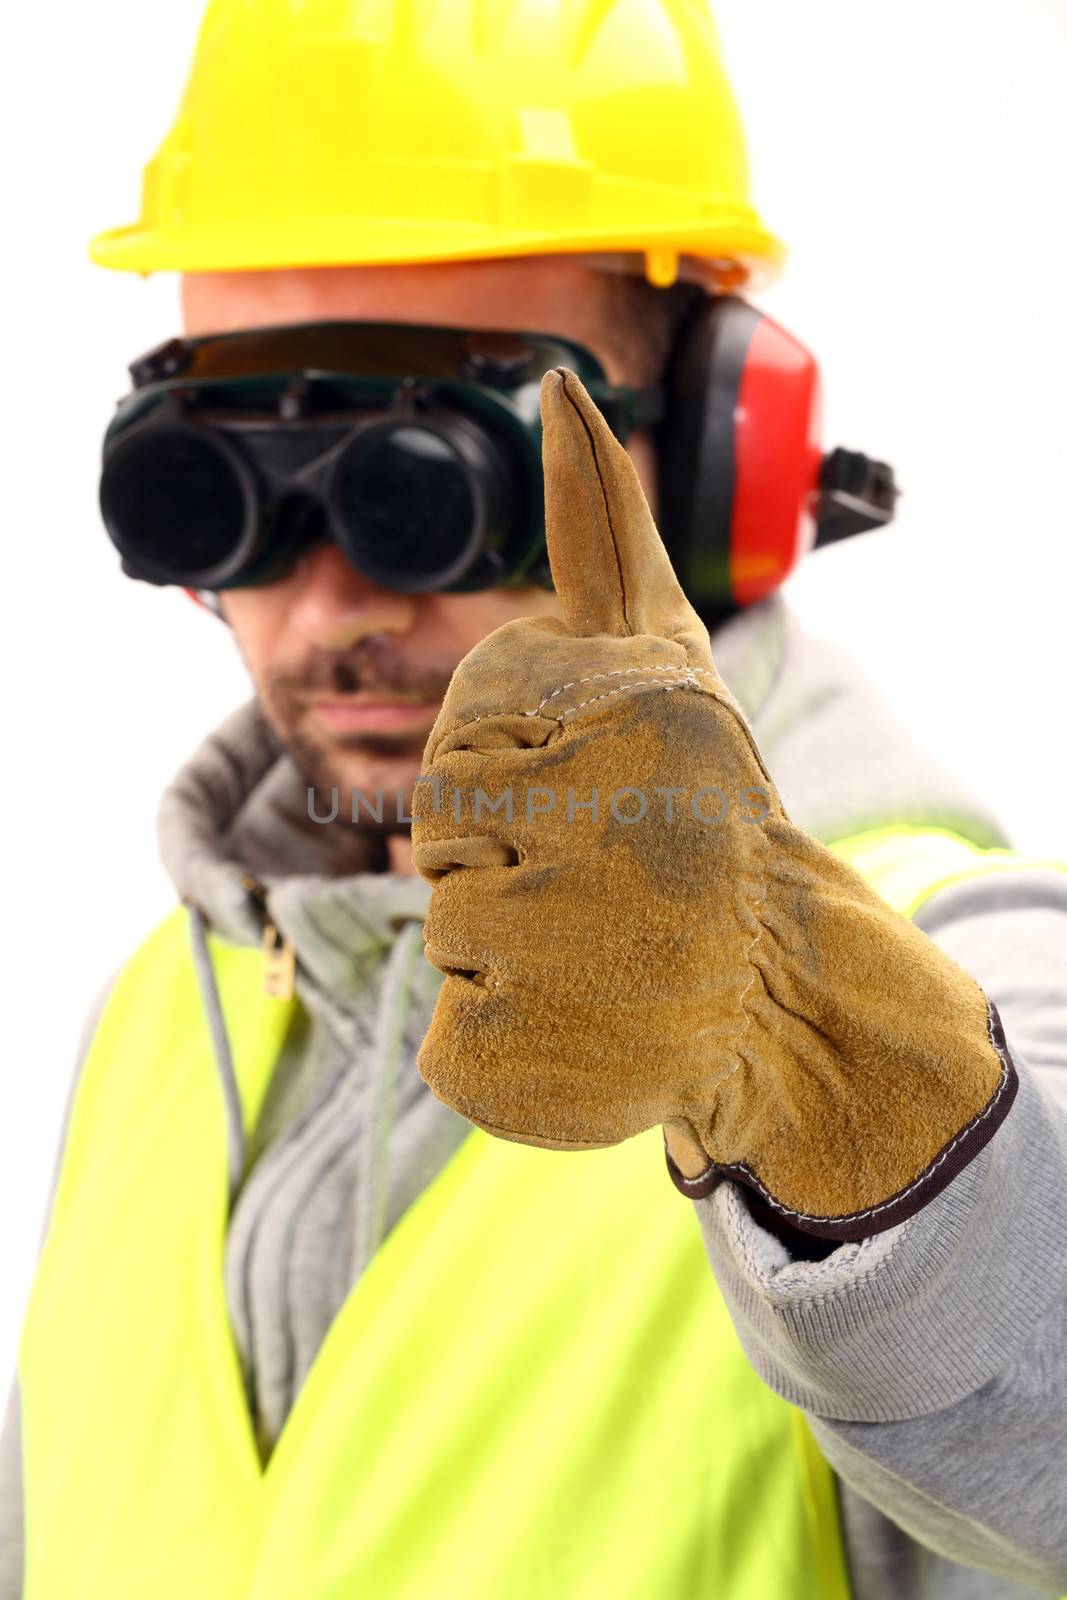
point(731, 979)
point(930, 1359)
point(12, 1555)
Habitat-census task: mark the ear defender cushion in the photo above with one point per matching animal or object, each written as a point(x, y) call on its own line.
point(740, 455)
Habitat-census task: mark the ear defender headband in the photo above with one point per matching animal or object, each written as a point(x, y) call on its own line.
point(233, 452)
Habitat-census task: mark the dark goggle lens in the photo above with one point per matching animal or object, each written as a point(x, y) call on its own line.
point(173, 502)
point(403, 497)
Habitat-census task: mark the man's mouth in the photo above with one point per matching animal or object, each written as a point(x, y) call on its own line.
point(374, 711)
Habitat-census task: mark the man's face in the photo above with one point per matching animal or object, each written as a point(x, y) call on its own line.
point(351, 675)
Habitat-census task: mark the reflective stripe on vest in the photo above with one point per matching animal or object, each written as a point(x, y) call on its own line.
point(534, 1391)
point(908, 864)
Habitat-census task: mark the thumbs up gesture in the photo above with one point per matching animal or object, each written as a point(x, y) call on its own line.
point(632, 930)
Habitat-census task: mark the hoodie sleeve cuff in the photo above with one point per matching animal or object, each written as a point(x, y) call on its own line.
point(915, 1318)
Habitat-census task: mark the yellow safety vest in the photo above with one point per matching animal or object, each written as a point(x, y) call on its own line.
point(534, 1392)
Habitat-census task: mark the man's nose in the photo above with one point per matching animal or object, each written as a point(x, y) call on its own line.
point(334, 605)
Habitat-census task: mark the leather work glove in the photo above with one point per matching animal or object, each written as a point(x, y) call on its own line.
point(633, 931)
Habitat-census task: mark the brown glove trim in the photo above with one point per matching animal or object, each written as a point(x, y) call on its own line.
point(946, 1165)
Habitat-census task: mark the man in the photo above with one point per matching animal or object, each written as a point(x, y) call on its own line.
point(462, 1361)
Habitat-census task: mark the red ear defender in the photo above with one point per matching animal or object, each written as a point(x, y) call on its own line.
point(777, 460)
point(745, 489)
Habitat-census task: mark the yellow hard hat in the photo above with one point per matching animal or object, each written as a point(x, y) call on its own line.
point(328, 132)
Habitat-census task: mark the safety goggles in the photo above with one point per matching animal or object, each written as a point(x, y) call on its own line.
point(415, 449)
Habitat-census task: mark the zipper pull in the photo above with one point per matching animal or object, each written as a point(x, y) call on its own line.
point(279, 963)
point(279, 956)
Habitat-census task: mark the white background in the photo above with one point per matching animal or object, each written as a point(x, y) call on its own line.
point(912, 155)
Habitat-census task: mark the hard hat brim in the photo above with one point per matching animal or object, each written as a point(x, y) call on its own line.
point(738, 250)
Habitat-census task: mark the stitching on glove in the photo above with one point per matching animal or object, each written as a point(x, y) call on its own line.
point(646, 683)
point(685, 682)
point(1007, 1079)
point(745, 1012)
point(627, 688)
point(664, 666)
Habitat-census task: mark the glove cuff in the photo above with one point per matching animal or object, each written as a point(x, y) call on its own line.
point(935, 1176)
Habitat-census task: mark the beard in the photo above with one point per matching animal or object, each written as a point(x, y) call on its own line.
point(375, 665)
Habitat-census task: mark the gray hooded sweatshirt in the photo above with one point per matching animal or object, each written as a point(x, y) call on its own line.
point(931, 1360)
